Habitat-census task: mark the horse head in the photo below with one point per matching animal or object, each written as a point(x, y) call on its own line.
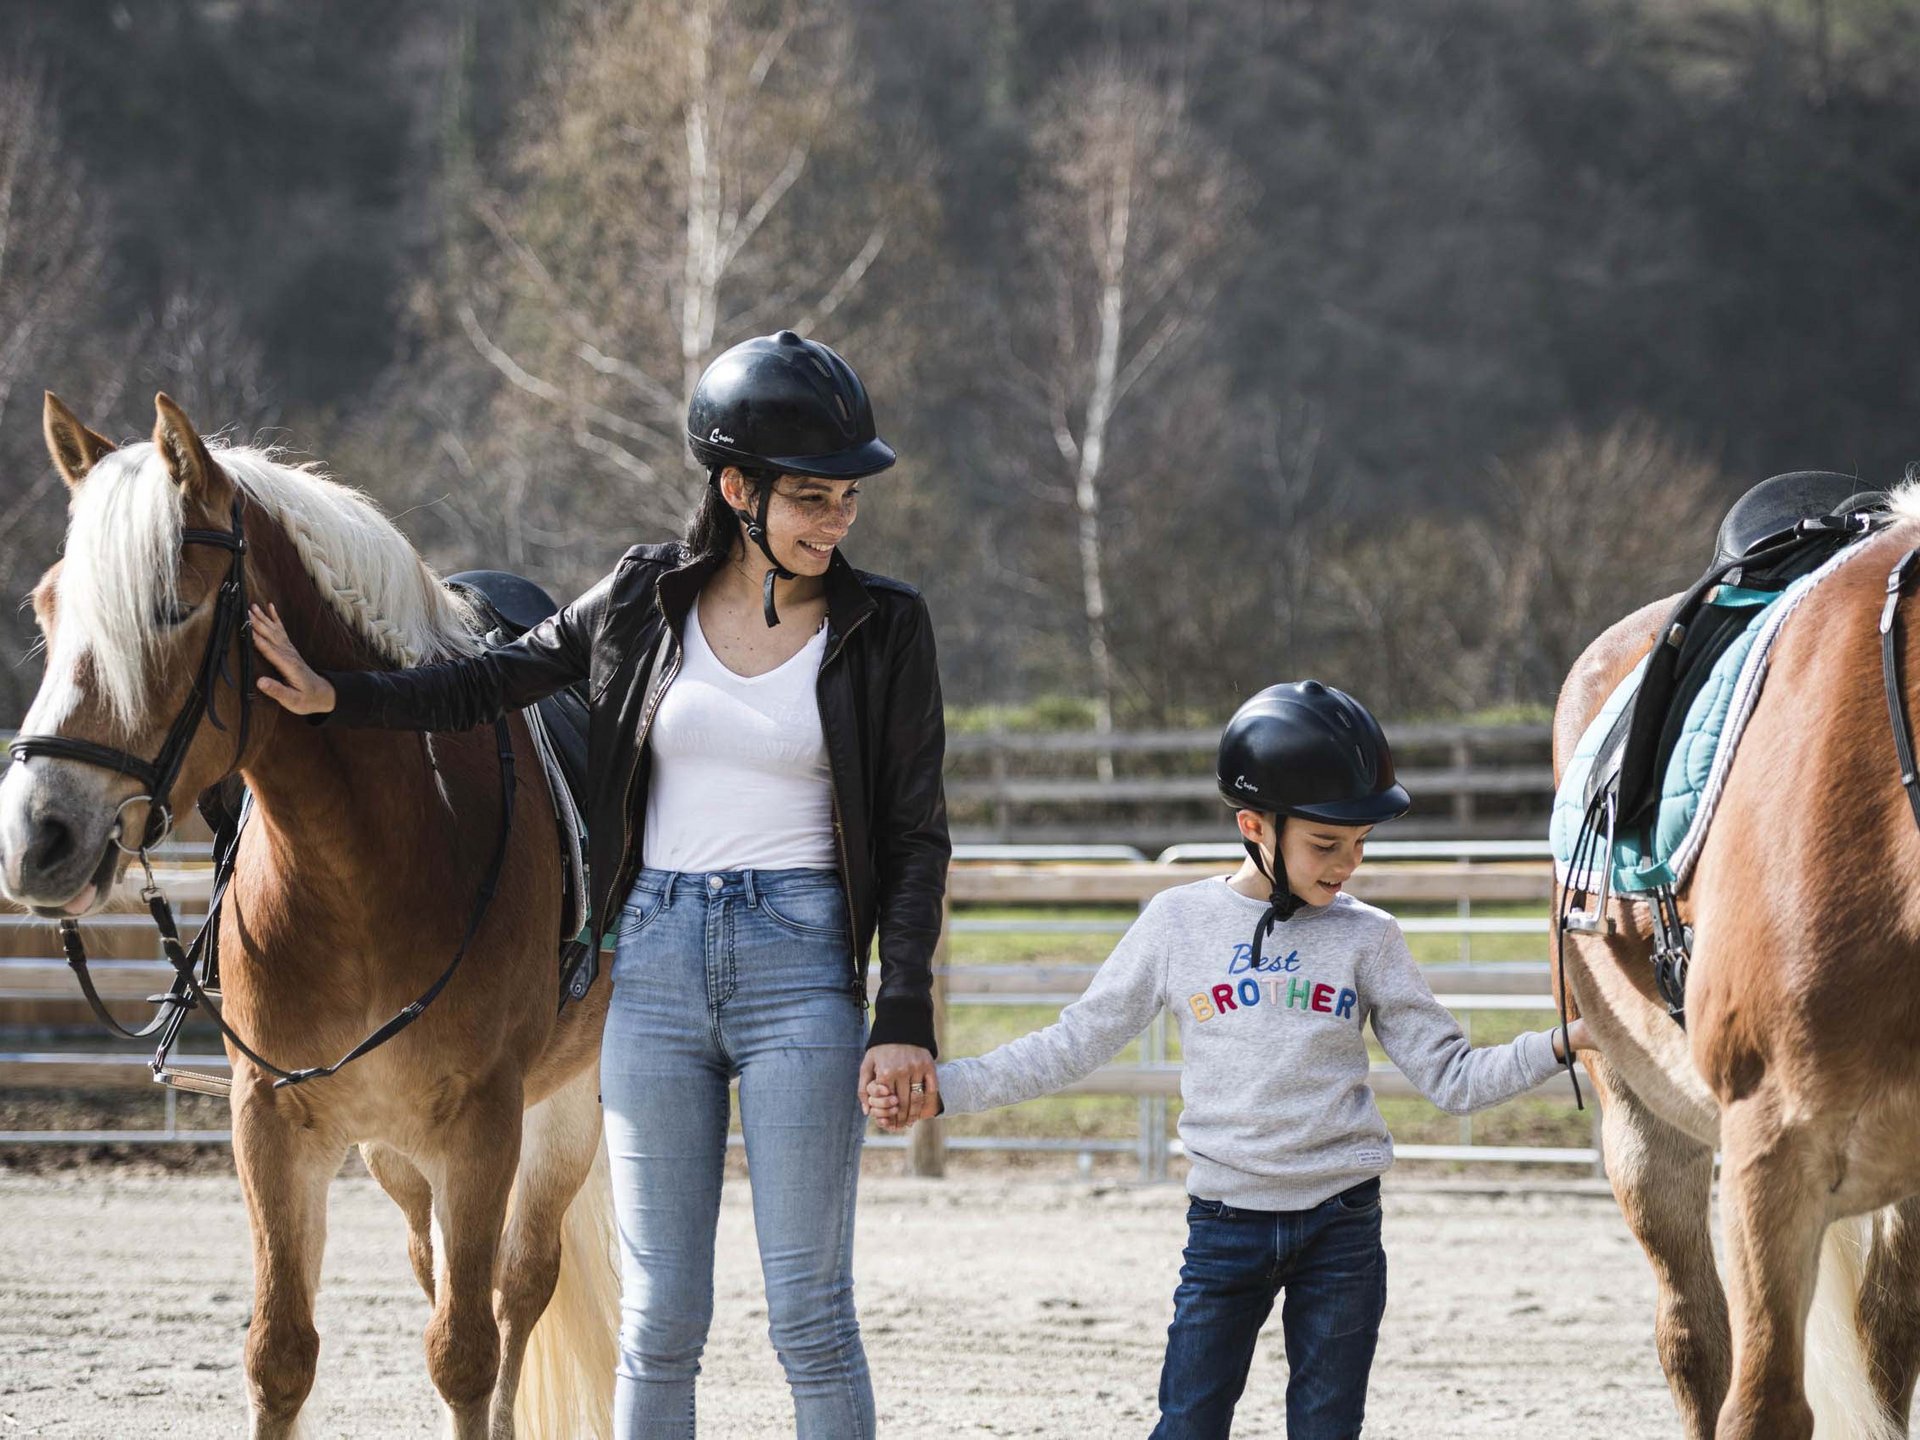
point(144, 660)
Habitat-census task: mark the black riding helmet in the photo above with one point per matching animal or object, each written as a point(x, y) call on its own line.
point(780, 405)
point(1307, 750)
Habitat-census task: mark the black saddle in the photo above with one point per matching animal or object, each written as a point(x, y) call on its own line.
point(508, 606)
point(1779, 530)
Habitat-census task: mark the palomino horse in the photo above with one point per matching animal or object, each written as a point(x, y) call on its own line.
point(354, 883)
point(1801, 1053)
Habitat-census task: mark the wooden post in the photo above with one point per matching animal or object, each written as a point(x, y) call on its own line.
point(1463, 797)
point(927, 1144)
point(997, 769)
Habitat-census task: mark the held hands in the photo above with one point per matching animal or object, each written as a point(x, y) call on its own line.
point(898, 1085)
point(300, 690)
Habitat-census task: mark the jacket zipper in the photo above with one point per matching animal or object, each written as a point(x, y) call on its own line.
point(626, 810)
point(839, 830)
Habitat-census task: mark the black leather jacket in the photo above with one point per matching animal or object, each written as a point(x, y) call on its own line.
point(879, 693)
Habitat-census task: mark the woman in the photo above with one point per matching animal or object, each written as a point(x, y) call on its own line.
point(765, 755)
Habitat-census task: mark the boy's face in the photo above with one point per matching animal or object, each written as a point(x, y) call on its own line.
point(1318, 857)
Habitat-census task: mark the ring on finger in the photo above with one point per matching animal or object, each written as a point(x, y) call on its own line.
point(917, 1088)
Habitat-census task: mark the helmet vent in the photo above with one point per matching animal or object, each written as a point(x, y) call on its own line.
point(840, 403)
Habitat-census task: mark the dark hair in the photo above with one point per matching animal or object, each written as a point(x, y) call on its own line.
point(715, 529)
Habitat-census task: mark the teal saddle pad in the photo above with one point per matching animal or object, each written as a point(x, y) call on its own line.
point(1663, 854)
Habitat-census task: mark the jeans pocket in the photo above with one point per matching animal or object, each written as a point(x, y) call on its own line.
point(641, 909)
point(818, 912)
point(1360, 1199)
point(1198, 1209)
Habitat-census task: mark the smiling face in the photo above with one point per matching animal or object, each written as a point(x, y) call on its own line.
point(1318, 857)
point(807, 519)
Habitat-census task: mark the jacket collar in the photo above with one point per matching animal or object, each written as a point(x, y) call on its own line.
point(848, 600)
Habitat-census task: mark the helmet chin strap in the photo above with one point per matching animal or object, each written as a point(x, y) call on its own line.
point(1281, 903)
point(757, 532)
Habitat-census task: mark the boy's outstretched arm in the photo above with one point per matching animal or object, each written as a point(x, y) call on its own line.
point(1122, 1000)
point(1421, 1036)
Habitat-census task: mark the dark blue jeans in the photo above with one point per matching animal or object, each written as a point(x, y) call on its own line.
point(1328, 1261)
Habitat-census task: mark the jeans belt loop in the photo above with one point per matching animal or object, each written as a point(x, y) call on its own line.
point(753, 893)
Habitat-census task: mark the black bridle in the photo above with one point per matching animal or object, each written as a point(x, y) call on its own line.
point(190, 991)
point(158, 774)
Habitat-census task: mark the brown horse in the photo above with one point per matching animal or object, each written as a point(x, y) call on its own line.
point(355, 881)
point(1801, 1055)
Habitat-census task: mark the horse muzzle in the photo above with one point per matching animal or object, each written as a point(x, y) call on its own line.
point(58, 856)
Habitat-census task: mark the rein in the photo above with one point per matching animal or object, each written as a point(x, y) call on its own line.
point(187, 991)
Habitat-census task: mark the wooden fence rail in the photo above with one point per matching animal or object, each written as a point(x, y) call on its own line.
point(1156, 787)
point(33, 978)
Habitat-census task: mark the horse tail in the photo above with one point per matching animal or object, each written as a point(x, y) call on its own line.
point(566, 1380)
point(1839, 1383)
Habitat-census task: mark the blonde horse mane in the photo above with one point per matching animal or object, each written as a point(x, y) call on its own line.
point(118, 580)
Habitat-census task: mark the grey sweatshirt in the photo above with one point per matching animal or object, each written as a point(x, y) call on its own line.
point(1278, 1111)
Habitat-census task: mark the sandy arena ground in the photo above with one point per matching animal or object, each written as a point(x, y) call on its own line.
point(992, 1305)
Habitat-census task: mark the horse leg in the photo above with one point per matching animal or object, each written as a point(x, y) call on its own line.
point(1889, 1310)
point(1773, 1219)
point(285, 1164)
point(1663, 1179)
point(560, 1142)
point(472, 1177)
point(408, 1187)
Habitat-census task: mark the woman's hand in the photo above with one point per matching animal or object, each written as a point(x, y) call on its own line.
point(898, 1085)
point(300, 689)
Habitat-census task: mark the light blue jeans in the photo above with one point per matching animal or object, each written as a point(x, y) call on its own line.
point(740, 974)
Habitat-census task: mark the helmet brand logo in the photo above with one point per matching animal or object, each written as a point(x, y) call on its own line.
point(719, 437)
point(1240, 782)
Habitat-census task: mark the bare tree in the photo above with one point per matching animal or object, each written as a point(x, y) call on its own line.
point(1581, 530)
point(51, 260)
point(51, 257)
point(1131, 216)
point(659, 210)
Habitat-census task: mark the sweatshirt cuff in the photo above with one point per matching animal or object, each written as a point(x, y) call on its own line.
point(956, 1091)
point(1537, 1049)
point(902, 1022)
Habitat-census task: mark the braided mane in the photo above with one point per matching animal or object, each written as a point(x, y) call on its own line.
point(122, 556)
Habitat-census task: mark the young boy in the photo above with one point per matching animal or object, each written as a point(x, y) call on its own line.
point(1285, 1145)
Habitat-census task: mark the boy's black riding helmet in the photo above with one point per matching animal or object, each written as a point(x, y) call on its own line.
point(780, 405)
point(1310, 751)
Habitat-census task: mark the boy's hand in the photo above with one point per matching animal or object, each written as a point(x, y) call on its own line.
point(1576, 1037)
point(882, 1106)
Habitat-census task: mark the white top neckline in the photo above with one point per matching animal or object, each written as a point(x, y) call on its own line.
point(699, 635)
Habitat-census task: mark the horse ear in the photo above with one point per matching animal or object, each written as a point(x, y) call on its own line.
point(180, 446)
point(75, 449)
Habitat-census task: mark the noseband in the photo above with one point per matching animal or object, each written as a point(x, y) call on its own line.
point(158, 774)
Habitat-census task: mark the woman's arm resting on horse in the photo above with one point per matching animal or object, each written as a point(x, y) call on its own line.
point(449, 694)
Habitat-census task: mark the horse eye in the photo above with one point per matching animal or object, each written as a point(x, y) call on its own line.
point(172, 615)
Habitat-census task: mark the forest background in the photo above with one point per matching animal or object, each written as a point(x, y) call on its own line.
point(1406, 343)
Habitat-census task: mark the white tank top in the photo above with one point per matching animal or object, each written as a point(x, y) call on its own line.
point(739, 778)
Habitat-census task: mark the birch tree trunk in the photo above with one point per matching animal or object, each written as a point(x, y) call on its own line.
point(1127, 219)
